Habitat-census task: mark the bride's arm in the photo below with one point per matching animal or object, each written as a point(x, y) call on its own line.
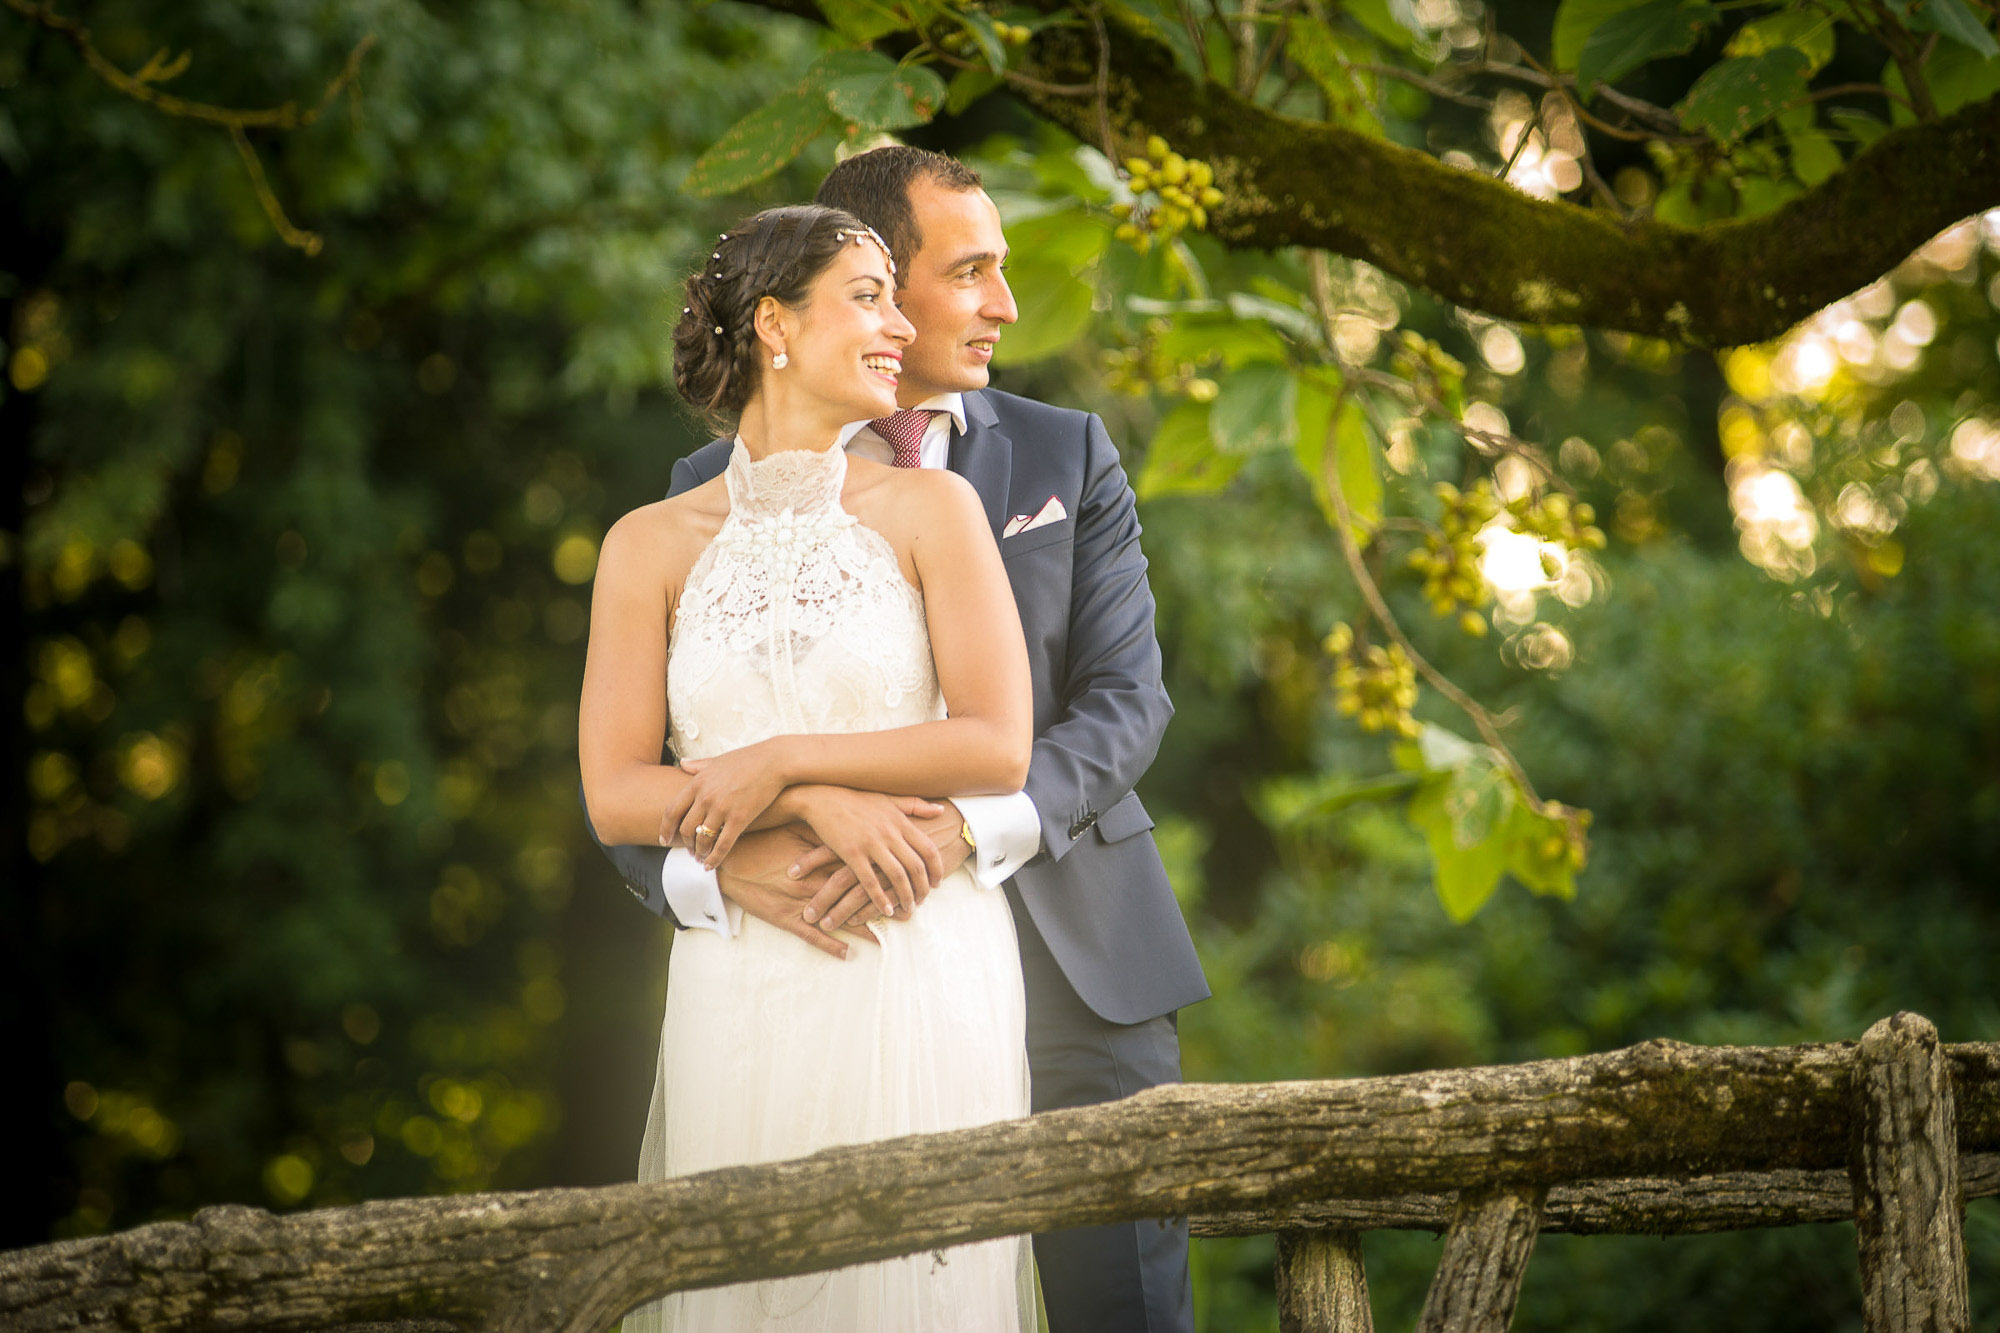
point(981, 748)
point(622, 716)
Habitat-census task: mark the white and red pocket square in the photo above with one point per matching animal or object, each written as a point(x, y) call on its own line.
point(1052, 512)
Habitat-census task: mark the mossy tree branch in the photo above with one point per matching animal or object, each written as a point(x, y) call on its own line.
point(1477, 242)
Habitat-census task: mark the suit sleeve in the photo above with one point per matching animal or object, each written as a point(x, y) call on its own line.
point(1115, 708)
point(640, 867)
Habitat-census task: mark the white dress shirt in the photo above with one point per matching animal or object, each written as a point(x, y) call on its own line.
point(1006, 828)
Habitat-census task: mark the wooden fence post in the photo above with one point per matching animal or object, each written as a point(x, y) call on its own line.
point(1908, 1210)
point(1322, 1287)
point(1485, 1257)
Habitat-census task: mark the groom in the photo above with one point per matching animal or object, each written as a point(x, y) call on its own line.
point(1105, 955)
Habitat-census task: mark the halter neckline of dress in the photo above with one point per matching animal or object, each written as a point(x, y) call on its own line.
point(801, 481)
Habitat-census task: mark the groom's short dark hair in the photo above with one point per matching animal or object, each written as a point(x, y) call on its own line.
point(875, 187)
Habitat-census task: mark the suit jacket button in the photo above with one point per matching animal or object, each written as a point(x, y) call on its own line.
point(1081, 826)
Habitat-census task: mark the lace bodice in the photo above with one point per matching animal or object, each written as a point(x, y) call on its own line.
point(796, 619)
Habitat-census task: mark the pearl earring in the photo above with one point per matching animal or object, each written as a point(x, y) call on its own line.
point(780, 361)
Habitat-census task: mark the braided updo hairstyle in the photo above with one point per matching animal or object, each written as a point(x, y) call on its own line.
point(779, 253)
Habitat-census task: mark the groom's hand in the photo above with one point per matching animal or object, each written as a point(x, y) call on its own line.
point(757, 877)
point(841, 901)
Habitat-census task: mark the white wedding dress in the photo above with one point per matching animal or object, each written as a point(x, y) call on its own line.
point(798, 619)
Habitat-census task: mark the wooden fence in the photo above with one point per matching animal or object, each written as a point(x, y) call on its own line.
point(1894, 1132)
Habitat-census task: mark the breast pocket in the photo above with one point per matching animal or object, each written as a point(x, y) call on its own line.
point(1012, 548)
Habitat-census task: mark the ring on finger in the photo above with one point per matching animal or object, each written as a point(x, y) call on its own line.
point(703, 831)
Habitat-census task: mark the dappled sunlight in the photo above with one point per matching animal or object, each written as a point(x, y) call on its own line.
point(1817, 435)
point(1776, 526)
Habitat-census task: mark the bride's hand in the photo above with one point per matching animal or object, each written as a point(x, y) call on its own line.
point(723, 797)
point(874, 836)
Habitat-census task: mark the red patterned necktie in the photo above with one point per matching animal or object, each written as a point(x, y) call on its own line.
point(904, 431)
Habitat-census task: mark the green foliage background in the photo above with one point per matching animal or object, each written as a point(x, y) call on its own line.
point(300, 911)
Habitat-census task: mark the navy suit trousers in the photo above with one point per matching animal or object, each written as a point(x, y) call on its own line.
point(1129, 1277)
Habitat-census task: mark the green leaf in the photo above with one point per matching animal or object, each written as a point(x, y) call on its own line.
point(967, 87)
point(1438, 750)
point(991, 49)
point(1864, 128)
point(907, 95)
point(1392, 22)
point(1576, 20)
point(1210, 333)
point(1756, 196)
point(1314, 48)
point(1283, 315)
point(1354, 454)
point(1150, 20)
point(1256, 410)
point(861, 21)
point(1958, 76)
point(843, 64)
point(1735, 96)
point(1182, 459)
point(1538, 854)
point(1070, 237)
point(1814, 156)
point(1355, 462)
point(1289, 802)
point(1625, 41)
point(1810, 30)
point(1465, 873)
point(1055, 308)
point(759, 144)
point(1954, 19)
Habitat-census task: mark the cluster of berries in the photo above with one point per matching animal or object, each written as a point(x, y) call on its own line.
point(1568, 847)
point(1182, 190)
point(962, 43)
point(1552, 518)
point(1140, 368)
point(1376, 686)
point(1449, 557)
point(1423, 362)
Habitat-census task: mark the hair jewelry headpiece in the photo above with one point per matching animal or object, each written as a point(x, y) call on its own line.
point(869, 233)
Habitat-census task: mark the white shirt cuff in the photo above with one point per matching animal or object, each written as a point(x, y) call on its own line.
point(695, 897)
point(1008, 831)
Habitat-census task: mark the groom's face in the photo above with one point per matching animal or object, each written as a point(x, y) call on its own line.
point(954, 292)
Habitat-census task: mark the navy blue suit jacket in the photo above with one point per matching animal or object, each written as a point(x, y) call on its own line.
point(1097, 894)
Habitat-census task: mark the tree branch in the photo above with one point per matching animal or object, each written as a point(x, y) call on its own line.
point(142, 87)
point(575, 1259)
point(1479, 243)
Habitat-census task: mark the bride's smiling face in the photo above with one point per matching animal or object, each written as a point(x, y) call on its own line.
point(845, 344)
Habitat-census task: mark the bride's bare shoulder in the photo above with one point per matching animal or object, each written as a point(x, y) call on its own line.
point(668, 534)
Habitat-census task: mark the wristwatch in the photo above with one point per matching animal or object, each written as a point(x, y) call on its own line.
point(965, 832)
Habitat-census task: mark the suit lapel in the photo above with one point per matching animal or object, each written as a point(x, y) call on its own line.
point(984, 456)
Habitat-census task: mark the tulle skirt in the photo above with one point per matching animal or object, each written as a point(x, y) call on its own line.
point(771, 1049)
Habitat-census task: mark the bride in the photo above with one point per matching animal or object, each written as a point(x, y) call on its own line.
point(808, 630)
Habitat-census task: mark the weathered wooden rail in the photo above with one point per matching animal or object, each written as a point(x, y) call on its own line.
point(1894, 1132)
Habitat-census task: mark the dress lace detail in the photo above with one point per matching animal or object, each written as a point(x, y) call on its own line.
point(796, 619)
